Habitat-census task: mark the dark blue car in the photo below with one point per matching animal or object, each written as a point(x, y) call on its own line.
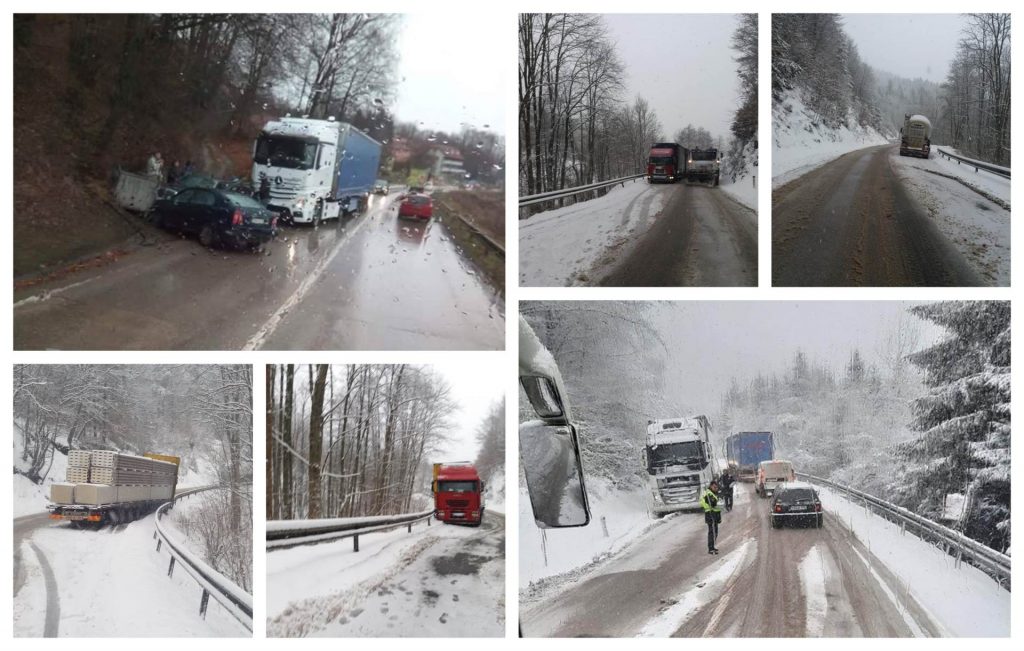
point(217, 217)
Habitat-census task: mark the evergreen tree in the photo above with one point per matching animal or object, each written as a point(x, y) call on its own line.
point(964, 421)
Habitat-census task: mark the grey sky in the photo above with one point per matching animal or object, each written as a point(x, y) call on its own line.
point(713, 341)
point(909, 45)
point(682, 64)
point(450, 72)
point(477, 382)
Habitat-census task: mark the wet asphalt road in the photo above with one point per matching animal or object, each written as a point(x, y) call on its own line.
point(851, 223)
point(701, 238)
point(367, 282)
point(762, 597)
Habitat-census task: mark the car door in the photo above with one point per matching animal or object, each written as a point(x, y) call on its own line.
point(203, 211)
point(174, 217)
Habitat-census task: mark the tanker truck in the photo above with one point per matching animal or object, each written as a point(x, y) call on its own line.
point(107, 487)
point(915, 136)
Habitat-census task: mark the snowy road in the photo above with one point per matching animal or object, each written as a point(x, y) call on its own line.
point(642, 235)
point(110, 582)
point(790, 582)
point(854, 221)
point(369, 282)
point(439, 581)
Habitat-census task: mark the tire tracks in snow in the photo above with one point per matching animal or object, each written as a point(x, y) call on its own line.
point(52, 623)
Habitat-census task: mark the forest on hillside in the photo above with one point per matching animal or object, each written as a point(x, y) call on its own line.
point(359, 439)
point(202, 414)
point(575, 127)
point(970, 110)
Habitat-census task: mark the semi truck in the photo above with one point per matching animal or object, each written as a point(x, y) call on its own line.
point(915, 136)
point(703, 165)
point(310, 170)
point(108, 487)
point(745, 450)
point(679, 464)
point(666, 162)
point(458, 493)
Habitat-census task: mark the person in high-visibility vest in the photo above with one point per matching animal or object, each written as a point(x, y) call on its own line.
point(712, 514)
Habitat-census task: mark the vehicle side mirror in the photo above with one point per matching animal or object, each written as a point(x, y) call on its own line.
point(543, 395)
point(554, 474)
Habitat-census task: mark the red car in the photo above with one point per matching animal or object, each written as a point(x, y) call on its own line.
point(417, 206)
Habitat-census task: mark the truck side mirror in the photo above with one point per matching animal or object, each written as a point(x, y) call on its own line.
point(554, 474)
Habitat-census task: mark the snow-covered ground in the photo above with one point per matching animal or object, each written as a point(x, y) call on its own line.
point(113, 583)
point(743, 190)
point(802, 142)
point(494, 494)
point(966, 601)
point(29, 497)
point(550, 552)
point(438, 581)
point(971, 209)
point(558, 247)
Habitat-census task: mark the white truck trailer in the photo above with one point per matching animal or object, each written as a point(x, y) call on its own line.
point(915, 136)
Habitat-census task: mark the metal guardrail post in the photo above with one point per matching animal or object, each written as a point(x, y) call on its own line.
point(355, 543)
point(204, 602)
point(170, 567)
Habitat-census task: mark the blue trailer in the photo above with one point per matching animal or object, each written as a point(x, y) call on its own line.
point(744, 450)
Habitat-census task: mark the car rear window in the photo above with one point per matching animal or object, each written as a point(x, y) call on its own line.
point(797, 495)
point(419, 200)
point(242, 201)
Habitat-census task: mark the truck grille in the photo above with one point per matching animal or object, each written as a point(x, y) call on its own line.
point(458, 504)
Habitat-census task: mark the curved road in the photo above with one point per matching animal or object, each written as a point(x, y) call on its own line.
point(368, 282)
point(850, 222)
point(24, 527)
point(665, 583)
point(701, 238)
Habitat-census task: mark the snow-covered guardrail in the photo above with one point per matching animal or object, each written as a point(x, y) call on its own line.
point(282, 534)
point(976, 164)
point(954, 543)
point(529, 200)
point(234, 599)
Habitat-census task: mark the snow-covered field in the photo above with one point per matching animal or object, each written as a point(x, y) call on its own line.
point(624, 513)
point(964, 599)
point(113, 583)
point(972, 219)
point(398, 584)
point(558, 247)
point(802, 143)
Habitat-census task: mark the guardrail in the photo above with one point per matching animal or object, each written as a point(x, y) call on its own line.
point(954, 543)
point(282, 534)
point(225, 592)
point(568, 192)
point(977, 164)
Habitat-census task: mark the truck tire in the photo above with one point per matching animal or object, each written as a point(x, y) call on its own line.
point(715, 184)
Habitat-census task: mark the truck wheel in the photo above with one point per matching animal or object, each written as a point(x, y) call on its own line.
point(207, 237)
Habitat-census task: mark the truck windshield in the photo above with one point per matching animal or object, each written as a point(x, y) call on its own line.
point(710, 154)
point(280, 151)
point(456, 487)
point(670, 454)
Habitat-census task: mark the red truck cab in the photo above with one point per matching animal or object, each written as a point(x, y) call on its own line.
point(458, 494)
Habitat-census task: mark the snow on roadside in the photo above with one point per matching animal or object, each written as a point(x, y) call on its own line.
point(30, 498)
point(30, 600)
point(707, 587)
point(319, 570)
point(494, 494)
point(976, 225)
point(112, 583)
point(802, 143)
point(965, 599)
point(742, 190)
point(558, 247)
point(623, 511)
point(812, 577)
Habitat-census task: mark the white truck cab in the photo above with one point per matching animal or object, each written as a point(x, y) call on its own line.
point(679, 463)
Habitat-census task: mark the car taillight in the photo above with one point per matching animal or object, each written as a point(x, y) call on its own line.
point(273, 222)
point(817, 507)
point(236, 218)
point(778, 509)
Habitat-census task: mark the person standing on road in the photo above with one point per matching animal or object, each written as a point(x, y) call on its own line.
point(155, 166)
point(712, 514)
point(727, 482)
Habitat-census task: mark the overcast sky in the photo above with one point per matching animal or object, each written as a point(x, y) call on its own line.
point(909, 45)
point(682, 64)
point(477, 383)
point(449, 72)
point(713, 341)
